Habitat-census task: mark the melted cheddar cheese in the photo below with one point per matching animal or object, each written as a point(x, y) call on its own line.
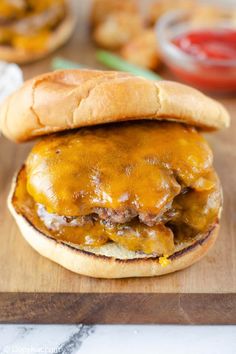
point(138, 165)
point(153, 168)
point(28, 25)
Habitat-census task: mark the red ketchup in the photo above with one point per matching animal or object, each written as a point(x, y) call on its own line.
point(215, 53)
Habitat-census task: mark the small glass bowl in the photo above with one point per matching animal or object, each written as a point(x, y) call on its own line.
point(212, 75)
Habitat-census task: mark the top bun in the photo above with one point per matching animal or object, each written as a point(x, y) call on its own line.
point(69, 99)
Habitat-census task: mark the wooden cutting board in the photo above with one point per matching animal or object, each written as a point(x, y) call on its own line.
point(35, 290)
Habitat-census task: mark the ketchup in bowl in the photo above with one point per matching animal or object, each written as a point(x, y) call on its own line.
point(214, 52)
point(202, 56)
point(208, 44)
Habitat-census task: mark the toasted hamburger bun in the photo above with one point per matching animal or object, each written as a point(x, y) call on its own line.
point(110, 260)
point(57, 38)
point(68, 99)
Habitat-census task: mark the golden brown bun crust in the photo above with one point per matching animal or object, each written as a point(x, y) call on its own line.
point(99, 266)
point(57, 38)
point(70, 99)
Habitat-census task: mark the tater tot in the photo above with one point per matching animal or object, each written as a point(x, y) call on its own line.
point(101, 9)
point(143, 50)
point(117, 30)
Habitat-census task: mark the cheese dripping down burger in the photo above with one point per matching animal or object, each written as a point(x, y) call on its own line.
point(30, 29)
point(121, 182)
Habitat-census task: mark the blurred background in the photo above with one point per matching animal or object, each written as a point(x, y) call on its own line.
point(186, 40)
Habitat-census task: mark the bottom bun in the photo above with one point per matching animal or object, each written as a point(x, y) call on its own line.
point(57, 38)
point(110, 260)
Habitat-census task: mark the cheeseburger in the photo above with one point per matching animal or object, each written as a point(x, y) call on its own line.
point(121, 182)
point(30, 29)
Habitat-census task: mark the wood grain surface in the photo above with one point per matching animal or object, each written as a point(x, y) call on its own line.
point(33, 289)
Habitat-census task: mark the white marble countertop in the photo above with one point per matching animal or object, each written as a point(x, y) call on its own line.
point(117, 339)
